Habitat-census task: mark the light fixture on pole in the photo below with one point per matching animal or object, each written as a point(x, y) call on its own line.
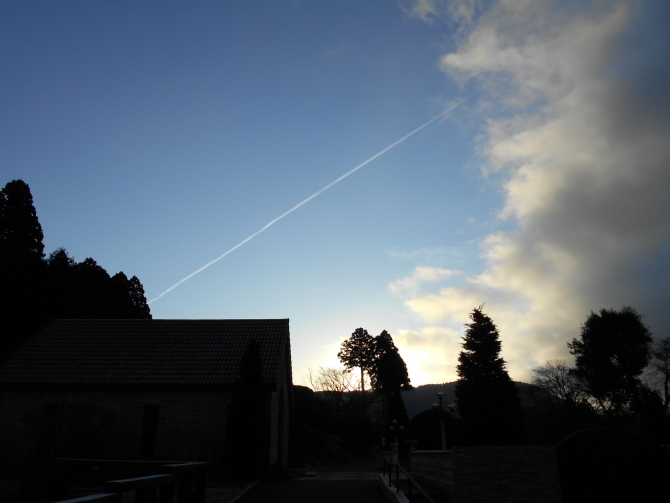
point(440, 411)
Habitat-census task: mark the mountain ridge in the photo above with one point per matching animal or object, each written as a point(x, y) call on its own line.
point(422, 397)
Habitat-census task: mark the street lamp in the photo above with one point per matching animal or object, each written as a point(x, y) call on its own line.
point(394, 446)
point(439, 410)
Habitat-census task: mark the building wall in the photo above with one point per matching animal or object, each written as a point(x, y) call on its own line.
point(107, 424)
point(279, 418)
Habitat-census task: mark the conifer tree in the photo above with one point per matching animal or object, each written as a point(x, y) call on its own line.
point(487, 398)
point(20, 230)
point(21, 267)
point(35, 289)
point(389, 378)
point(358, 351)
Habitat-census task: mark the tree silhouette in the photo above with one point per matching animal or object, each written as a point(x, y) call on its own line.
point(554, 386)
point(358, 351)
point(347, 410)
point(614, 349)
point(247, 438)
point(389, 377)
point(21, 267)
point(36, 289)
point(388, 371)
point(487, 398)
point(20, 230)
point(85, 290)
point(562, 401)
point(128, 297)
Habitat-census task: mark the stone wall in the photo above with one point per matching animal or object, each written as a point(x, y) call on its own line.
point(492, 473)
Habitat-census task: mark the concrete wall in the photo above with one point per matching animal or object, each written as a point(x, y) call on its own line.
point(492, 473)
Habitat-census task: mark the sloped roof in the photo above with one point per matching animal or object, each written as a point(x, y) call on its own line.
point(145, 352)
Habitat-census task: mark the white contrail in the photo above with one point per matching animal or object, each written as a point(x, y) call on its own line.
point(272, 222)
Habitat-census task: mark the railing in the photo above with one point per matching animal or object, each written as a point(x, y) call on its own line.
point(97, 498)
point(388, 466)
point(187, 480)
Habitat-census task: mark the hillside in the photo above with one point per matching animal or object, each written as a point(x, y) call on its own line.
point(423, 397)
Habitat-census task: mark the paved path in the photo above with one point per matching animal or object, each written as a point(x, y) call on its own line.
point(328, 487)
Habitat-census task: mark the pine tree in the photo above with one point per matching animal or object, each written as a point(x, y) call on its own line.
point(358, 351)
point(127, 298)
point(20, 230)
point(35, 289)
point(487, 398)
point(21, 267)
point(389, 378)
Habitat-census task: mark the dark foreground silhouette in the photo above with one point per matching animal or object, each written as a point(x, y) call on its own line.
point(611, 465)
point(315, 490)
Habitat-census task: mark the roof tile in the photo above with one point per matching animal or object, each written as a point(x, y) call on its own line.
point(145, 351)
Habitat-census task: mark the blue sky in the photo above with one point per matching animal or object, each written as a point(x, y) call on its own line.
point(156, 136)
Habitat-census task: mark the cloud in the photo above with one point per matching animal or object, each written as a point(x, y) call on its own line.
point(579, 140)
point(424, 9)
point(460, 11)
point(427, 352)
point(426, 254)
point(422, 274)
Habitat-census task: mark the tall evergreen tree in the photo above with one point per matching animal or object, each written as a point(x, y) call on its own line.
point(358, 351)
point(20, 230)
point(247, 436)
point(35, 289)
point(21, 267)
point(389, 378)
point(487, 398)
point(127, 298)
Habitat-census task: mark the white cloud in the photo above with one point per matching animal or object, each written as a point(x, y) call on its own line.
point(424, 9)
point(460, 11)
point(427, 352)
point(426, 254)
point(583, 155)
point(422, 274)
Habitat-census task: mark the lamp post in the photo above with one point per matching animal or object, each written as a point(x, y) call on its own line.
point(439, 410)
point(393, 429)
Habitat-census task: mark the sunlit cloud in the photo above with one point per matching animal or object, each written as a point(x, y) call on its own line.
point(427, 352)
point(582, 156)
